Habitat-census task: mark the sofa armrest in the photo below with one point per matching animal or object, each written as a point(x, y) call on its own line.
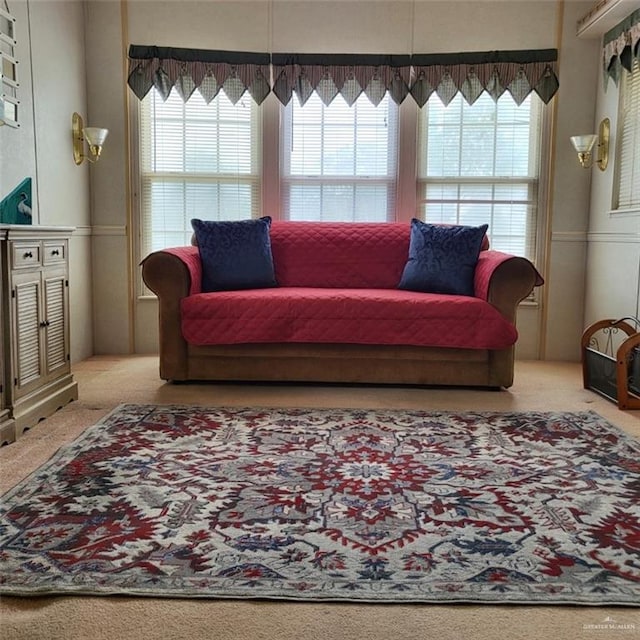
point(172, 274)
point(504, 280)
point(190, 257)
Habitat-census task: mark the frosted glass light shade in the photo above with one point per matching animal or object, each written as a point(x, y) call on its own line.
point(584, 143)
point(95, 136)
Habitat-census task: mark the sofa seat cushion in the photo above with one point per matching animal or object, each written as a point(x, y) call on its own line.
point(353, 316)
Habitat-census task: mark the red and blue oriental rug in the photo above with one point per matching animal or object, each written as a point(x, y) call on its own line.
point(332, 504)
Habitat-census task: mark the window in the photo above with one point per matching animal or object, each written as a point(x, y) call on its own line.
point(339, 163)
point(197, 160)
point(475, 164)
point(480, 163)
point(628, 163)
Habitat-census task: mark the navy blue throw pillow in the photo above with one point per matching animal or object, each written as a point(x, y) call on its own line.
point(235, 254)
point(442, 259)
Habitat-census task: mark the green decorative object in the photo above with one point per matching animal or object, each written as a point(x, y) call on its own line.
point(15, 208)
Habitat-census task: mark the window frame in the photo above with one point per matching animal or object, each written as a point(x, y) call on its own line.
point(407, 204)
point(535, 184)
point(633, 209)
point(389, 179)
point(141, 223)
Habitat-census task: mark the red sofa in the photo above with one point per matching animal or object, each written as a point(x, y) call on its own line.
point(337, 314)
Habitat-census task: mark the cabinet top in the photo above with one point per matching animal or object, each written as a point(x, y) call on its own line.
point(8, 231)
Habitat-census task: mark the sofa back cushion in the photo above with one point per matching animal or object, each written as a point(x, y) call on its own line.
point(340, 254)
point(361, 255)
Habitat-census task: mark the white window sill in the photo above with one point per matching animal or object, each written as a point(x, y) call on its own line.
point(632, 211)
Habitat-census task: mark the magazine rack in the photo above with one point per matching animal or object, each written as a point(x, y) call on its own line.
point(611, 361)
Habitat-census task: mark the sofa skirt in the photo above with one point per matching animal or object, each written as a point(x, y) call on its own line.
point(346, 363)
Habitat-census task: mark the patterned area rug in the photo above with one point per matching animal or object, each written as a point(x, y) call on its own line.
point(367, 505)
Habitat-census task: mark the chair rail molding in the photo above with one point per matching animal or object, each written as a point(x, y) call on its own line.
point(631, 238)
point(100, 230)
point(109, 230)
point(569, 236)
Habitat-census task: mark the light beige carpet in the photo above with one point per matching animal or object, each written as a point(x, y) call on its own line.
point(105, 382)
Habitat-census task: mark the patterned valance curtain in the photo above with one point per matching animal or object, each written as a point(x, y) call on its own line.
point(189, 69)
point(348, 75)
point(519, 72)
point(620, 46)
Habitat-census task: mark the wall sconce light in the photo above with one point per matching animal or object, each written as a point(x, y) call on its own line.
point(94, 136)
point(584, 143)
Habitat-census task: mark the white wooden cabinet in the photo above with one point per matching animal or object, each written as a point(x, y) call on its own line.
point(35, 301)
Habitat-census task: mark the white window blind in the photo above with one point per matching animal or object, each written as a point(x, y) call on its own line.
point(628, 164)
point(197, 160)
point(339, 163)
point(480, 164)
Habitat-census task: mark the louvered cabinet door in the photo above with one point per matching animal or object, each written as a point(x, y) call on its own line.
point(7, 428)
point(27, 330)
point(56, 339)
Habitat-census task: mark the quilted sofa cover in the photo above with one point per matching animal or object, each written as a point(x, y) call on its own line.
point(332, 315)
point(338, 284)
point(346, 272)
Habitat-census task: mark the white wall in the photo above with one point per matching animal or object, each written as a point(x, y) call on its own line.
point(41, 148)
point(592, 263)
point(51, 57)
point(109, 211)
point(17, 146)
point(613, 254)
point(552, 327)
point(565, 272)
